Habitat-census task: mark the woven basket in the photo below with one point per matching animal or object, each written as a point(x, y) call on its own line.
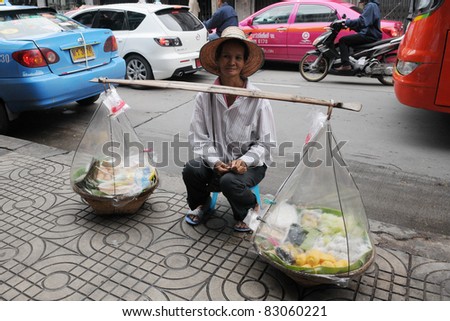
point(308, 279)
point(107, 206)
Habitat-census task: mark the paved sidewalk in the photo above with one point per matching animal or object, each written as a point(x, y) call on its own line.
point(53, 247)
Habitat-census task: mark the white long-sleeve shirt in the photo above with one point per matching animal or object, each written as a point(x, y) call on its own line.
point(245, 130)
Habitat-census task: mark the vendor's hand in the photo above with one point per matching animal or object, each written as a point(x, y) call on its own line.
point(221, 168)
point(238, 166)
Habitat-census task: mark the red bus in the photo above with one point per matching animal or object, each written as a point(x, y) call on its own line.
point(422, 73)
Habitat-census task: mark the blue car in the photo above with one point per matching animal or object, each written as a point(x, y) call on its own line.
point(47, 60)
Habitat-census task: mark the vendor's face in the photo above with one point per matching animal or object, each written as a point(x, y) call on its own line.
point(231, 60)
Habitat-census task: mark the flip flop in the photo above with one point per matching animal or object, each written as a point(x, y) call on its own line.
point(242, 229)
point(197, 212)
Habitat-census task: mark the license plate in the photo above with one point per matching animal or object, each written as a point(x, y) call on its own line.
point(78, 54)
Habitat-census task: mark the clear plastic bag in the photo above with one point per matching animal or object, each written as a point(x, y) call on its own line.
point(111, 169)
point(316, 229)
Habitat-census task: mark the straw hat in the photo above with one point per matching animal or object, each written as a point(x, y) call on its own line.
point(208, 52)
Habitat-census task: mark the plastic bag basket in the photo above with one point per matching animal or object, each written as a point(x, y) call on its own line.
point(308, 279)
point(108, 206)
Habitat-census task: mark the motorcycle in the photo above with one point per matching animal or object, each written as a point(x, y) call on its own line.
point(375, 60)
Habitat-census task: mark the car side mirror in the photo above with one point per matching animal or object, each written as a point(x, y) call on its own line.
point(344, 16)
point(250, 22)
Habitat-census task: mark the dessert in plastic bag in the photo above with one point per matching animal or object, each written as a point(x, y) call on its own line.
point(316, 228)
point(111, 169)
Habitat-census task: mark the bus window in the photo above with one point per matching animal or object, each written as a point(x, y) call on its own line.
point(423, 6)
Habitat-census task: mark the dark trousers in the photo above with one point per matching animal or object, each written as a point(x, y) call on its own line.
point(349, 41)
point(200, 180)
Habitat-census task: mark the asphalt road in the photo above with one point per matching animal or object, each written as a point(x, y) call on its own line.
point(397, 155)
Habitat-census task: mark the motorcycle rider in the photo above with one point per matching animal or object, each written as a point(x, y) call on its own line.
point(368, 30)
point(224, 17)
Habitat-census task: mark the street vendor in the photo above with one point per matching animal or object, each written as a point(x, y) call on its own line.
point(231, 136)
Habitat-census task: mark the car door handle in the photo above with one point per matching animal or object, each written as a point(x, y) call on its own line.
point(282, 29)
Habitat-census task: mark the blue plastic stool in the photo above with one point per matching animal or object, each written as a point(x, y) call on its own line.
point(254, 189)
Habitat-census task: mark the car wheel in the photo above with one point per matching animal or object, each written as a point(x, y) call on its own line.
point(313, 69)
point(138, 68)
point(388, 60)
point(88, 101)
point(4, 121)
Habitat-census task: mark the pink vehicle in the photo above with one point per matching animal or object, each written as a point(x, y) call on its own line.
point(286, 30)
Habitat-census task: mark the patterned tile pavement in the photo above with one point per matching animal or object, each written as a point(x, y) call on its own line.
point(53, 247)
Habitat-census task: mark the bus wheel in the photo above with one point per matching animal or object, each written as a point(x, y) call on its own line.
point(313, 70)
point(388, 60)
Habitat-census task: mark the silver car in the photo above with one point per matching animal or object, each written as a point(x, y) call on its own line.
point(157, 41)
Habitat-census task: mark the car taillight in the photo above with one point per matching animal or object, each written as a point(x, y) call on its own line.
point(168, 41)
point(110, 44)
point(35, 58)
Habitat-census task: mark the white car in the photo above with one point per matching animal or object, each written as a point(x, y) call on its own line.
point(157, 41)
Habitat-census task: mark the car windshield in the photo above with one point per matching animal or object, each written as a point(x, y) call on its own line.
point(179, 20)
point(20, 24)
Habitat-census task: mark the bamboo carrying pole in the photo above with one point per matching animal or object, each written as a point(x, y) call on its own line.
point(216, 89)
